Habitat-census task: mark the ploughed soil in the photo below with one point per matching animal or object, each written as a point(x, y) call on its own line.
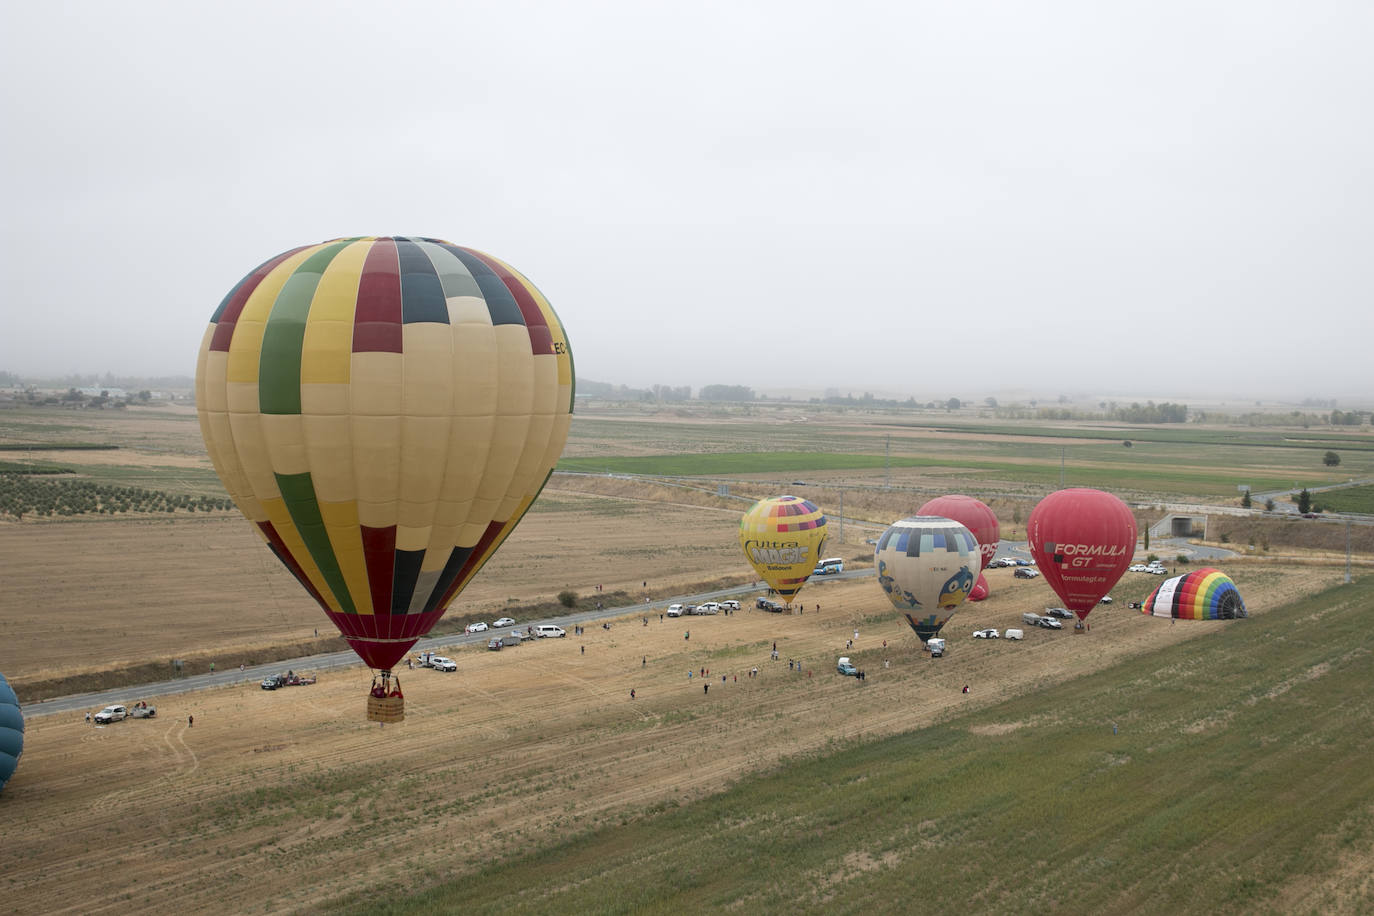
point(282, 801)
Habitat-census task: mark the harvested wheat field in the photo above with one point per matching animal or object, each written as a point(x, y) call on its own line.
point(282, 801)
point(107, 594)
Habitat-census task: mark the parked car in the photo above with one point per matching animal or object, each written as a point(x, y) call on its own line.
point(442, 663)
point(1001, 562)
point(504, 622)
point(1106, 599)
point(844, 667)
point(1139, 567)
point(1061, 613)
point(731, 605)
point(1050, 623)
point(1158, 571)
point(675, 610)
point(112, 714)
point(548, 629)
point(990, 633)
point(478, 627)
point(1025, 572)
point(142, 711)
point(936, 647)
point(273, 681)
point(1022, 561)
point(710, 607)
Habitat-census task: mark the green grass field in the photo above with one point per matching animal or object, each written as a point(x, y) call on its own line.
point(1230, 774)
point(1353, 499)
point(1037, 466)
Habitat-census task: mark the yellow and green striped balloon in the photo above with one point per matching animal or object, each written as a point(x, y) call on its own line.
point(384, 410)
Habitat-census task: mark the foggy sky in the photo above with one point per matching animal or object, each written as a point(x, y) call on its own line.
point(939, 200)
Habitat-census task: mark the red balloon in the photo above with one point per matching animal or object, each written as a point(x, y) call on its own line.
point(1082, 540)
point(979, 590)
point(974, 515)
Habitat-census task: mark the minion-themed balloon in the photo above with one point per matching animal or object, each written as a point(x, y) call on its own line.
point(927, 565)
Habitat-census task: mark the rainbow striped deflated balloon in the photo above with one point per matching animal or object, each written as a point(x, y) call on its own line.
point(384, 410)
point(1203, 594)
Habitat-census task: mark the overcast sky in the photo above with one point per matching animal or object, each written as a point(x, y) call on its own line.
point(935, 199)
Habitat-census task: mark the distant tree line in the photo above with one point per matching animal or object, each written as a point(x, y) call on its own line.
point(726, 393)
point(1349, 417)
point(1150, 412)
point(93, 380)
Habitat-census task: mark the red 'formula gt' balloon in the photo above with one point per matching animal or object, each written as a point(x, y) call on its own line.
point(1082, 540)
point(974, 515)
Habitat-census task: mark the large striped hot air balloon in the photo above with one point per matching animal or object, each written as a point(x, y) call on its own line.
point(783, 537)
point(384, 411)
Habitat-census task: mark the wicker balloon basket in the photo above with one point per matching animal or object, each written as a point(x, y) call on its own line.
point(386, 703)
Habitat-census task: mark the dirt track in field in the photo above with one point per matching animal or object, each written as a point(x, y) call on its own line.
point(279, 801)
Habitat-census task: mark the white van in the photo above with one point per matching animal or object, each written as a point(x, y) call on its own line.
point(1014, 634)
point(936, 647)
point(674, 610)
point(548, 629)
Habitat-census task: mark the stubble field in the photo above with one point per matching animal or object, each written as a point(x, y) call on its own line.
point(282, 801)
point(286, 801)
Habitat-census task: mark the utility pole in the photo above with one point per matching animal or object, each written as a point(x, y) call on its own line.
point(1347, 551)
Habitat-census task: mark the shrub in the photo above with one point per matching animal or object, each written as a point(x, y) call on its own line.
point(567, 598)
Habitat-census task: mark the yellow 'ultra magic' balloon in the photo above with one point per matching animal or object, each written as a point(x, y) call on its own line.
point(783, 537)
